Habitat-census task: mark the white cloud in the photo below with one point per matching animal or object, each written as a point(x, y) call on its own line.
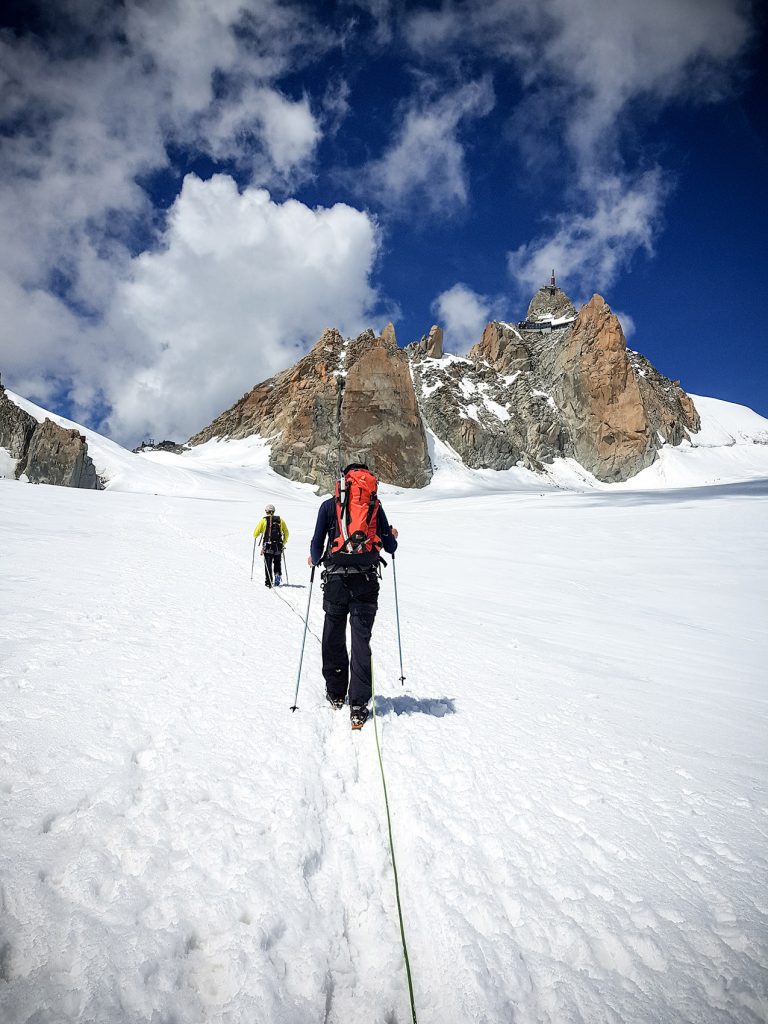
point(463, 314)
point(426, 159)
point(588, 250)
point(241, 286)
point(286, 129)
point(90, 108)
point(581, 66)
point(627, 323)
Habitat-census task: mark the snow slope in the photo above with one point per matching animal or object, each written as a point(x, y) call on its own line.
point(576, 766)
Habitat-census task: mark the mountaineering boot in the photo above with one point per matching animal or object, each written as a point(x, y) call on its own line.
point(278, 579)
point(358, 715)
point(336, 702)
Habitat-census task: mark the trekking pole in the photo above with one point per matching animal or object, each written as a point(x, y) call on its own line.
point(397, 614)
point(285, 567)
point(294, 706)
point(253, 559)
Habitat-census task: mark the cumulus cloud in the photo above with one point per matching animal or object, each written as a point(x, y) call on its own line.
point(463, 314)
point(92, 103)
point(582, 67)
point(240, 286)
point(426, 160)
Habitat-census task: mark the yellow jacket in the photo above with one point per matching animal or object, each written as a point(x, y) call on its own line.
point(262, 526)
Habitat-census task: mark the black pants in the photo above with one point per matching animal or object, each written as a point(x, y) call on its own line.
point(273, 566)
point(355, 596)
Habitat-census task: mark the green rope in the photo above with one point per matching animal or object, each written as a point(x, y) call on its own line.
point(392, 854)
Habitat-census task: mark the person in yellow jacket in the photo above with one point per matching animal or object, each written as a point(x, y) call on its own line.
point(274, 534)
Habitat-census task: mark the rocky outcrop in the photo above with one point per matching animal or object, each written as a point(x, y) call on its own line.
point(670, 411)
point(503, 348)
point(296, 411)
point(492, 421)
point(161, 446)
point(46, 452)
point(557, 384)
point(343, 399)
point(431, 345)
point(59, 456)
point(380, 419)
point(550, 302)
point(526, 396)
point(595, 387)
point(16, 427)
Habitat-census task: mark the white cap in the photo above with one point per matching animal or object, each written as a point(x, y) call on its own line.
point(270, 508)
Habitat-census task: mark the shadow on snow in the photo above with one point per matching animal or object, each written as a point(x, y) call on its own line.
point(405, 705)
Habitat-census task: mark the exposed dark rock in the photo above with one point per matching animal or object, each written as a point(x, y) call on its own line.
point(59, 456)
point(46, 452)
point(16, 427)
point(491, 420)
point(669, 409)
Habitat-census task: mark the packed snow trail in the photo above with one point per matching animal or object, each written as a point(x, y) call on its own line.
point(577, 765)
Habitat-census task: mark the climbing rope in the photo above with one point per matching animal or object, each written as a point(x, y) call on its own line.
point(392, 853)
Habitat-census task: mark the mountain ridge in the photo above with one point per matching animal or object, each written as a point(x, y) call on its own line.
point(560, 384)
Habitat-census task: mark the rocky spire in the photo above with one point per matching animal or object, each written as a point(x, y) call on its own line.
point(550, 302)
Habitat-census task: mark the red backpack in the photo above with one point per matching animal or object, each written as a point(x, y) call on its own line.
point(357, 509)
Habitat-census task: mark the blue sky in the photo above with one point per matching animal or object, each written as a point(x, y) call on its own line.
point(193, 191)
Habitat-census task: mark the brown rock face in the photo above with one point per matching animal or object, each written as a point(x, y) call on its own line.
point(380, 419)
point(503, 348)
point(296, 412)
point(435, 342)
point(598, 393)
point(59, 456)
point(366, 383)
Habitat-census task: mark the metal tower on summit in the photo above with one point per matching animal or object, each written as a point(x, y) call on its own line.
point(552, 282)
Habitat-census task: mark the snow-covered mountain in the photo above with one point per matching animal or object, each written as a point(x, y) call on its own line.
point(561, 384)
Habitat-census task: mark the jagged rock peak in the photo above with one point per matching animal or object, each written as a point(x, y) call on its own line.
point(341, 397)
point(435, 342)
point(595, 387)
point(388, 334)
point(550, 303)
point(430, 345)
point(502, 347)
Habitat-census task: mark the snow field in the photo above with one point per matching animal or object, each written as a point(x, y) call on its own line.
point(576, 765)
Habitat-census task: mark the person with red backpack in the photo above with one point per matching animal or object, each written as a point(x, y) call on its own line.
point(350, 532)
